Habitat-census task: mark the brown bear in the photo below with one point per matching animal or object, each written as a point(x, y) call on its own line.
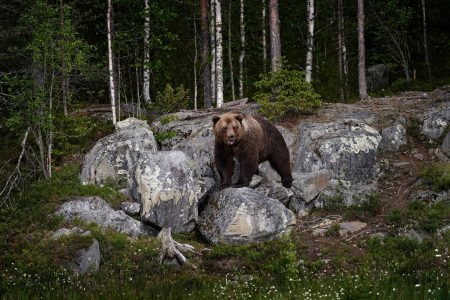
point(251, 140)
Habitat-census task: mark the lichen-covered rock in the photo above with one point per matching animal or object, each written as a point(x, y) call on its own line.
point(195, 138)
point(435, 123)
point(165, 187)
point(346, 147)
point(96, 210)
point(446, 144)
point(88, 260)
point(242, 215)
point(276, 191)
point(392, 138)
point(115, 155)
point(307, 186)
point(66, 232)
point(344, 193)
point(131, 208)
point(202, 187)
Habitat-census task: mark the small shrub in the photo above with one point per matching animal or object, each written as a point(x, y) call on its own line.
point(428, 217)
point(437, 176)
point(285, 92)
point(394, 216)
point(171, 100)
point(167, 119)
point(333, 230)
point(164, 135)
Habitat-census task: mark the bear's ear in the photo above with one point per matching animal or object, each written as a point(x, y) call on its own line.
point(239, 117)
point(215, 118)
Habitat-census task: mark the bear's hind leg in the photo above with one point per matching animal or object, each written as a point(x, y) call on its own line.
point(282, 165)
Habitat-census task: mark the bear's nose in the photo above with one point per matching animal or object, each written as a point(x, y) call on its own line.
point(231, 135)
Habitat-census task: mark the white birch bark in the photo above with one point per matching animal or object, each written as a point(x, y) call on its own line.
point(242, 54)
point(146, 75)
point(425, 43)
point(310, 42)
point(195, 62)
point(112, 89)
point(212, 32)
point(219, 54)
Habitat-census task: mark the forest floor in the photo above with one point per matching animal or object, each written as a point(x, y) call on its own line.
point(305, 266)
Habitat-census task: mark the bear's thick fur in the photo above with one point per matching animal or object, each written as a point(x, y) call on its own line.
point(251, 140)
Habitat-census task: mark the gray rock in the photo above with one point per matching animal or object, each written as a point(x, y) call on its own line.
point(66, 232)
point(347, 228)
point(306, 186)
point(165, 188)
point(392, 138)
point(268, 173)
point(414, 235)
point(446, 144)
point(435, 123)
point(88, 260)
point(115, 155)
point(196, 139)
point(339, 192)
point(202, 187)
point(131, 208)
point(276, 191)
point(347, 147)
point(242, 215)
point(96, 210)
point(377, 77)
point(255, 182)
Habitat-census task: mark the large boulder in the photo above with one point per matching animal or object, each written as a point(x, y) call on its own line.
point(165, 188)
point(347, 148)
point(339, 193)
point(115, 156)
point(96, 210)
point(435, 123)
point(446, 144)
point(195, 138)
point(242, 215)
point(306, 187)
point(377, 77)
point(392, 138)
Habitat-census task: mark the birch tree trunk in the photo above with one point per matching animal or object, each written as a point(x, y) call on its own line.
point(206, 71)
point(342, 56)
point(146, 75)
point(230, 57)
point(219, 54)
point(425, 43)
point(361, 53)
point(212, 32)
point(310, 41)
point(112, 89)
point(264, 36)
point(64, 79)
point(242, 54)
point(195, 61)
point(275, 43)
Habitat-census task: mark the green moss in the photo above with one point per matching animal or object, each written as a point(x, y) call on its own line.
point(167, 119)
point(333, 230)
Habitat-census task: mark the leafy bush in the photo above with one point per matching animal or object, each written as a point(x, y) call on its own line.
point(284, 92)
point(171, 99)
point(164, 135)
point(437, 176)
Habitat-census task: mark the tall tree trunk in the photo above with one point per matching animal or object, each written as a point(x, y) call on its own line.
point(112, 89)
point(425, 43)
point(264, 36)
point(242, 54)
point(64, 80)
point(195, 61)
point(206, 71)
point(146, 75)
point(219, 54)
point(275, 43)
point(342, 56)
point(310, 42)
point(212, 32)
point(361, 53)
point(138, 79)
point(230, 57)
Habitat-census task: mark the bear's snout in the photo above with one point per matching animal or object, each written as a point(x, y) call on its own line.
point(231, 139)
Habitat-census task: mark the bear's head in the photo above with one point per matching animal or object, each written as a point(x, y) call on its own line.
point(228, 127)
